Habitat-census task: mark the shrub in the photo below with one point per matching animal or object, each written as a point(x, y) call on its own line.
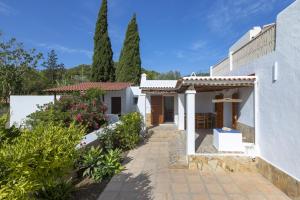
point(7, 134)
point(127, 133)
point(98, 165)
point(58, 191)
point(49, 113)
point(86, 109)
point(37, 159)
point(107, 140)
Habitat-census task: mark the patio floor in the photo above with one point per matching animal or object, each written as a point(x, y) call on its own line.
point(204, 141)
point(148, 177)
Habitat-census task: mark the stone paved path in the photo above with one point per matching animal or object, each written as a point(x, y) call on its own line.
point(148, 177)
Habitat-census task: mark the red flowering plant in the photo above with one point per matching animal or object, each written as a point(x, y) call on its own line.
point(89, 110)
point(86, 109)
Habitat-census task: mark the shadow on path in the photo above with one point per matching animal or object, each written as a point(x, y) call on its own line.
point(126, 186)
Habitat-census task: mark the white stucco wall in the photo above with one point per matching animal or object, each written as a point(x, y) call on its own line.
point(107, 100)
point(148, 104)
point(127, 103)
point(227, 119)
point(246, 107)
point(204, 102)
point(22, 106)
point(131, 93)
point(277, 134)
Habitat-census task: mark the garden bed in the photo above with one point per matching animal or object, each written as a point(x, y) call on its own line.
point(88, 189)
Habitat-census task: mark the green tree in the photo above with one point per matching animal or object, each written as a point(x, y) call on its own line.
point(34, 82)
point(78, 74)
point(170, 75)
point(129, 66)
point(54, 71)
point(151, 74)
point(103, 65)
point(200, 73)
point(15, 61)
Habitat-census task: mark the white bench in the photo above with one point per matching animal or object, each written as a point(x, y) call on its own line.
point(231, 140)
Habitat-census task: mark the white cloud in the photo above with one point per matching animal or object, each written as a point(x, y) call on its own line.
point(6, 9)
point(224, 14)
point(179, 54)
point(65, 49)
point(197, 45)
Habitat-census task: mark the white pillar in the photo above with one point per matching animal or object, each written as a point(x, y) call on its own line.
point(190, 121)
point(180, 103)
point(142, 106)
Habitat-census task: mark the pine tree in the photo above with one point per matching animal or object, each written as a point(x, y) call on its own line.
point(54, 71)
point(129, 66)
point(103, 66)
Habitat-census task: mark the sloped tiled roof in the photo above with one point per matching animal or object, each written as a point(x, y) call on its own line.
point(106, 86)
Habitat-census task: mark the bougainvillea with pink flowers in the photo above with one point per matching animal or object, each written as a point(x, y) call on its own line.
point(86, 109)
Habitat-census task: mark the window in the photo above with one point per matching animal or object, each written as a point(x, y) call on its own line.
point(135, 100)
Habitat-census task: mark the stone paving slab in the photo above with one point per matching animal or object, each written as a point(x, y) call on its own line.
point(148, 177)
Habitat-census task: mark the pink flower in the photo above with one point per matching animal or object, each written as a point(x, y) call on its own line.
point(79, 118)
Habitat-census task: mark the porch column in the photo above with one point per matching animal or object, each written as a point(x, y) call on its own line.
point(180, 103)
point(190, 121)
point(142, 106)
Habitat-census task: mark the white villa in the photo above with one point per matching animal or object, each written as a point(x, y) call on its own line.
point(254, 93)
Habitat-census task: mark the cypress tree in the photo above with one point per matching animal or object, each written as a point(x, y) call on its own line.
point(129, 66)
point(103, 66)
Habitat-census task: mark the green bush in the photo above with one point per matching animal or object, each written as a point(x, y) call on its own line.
point(59, 191)
point(107, 140)
point(98, 165)
point(7, 134)
point(127, 133)
point(37, 159)
point(4, 108)
point(49, 113)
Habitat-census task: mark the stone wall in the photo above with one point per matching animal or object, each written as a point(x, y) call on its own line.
point(283, 181)
point(248, 132)
point(226, 163)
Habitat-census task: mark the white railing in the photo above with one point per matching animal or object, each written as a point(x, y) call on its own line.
point(259, 46)
point(221, 68)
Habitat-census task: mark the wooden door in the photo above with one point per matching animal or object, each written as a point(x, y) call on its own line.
point(156, 110)
point(116, 105)
point(219, 107)
point(234, 111)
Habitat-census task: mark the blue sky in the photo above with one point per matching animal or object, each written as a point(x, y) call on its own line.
point(175, 34)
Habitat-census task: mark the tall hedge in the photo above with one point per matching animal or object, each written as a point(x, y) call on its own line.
point(129, 66)
point(103, 65)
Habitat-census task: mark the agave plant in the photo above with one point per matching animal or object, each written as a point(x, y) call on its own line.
point(99, 166)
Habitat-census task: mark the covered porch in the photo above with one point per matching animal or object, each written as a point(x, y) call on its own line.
point(207, 104)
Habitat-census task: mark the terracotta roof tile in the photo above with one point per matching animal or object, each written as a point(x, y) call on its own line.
point(106, 86)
